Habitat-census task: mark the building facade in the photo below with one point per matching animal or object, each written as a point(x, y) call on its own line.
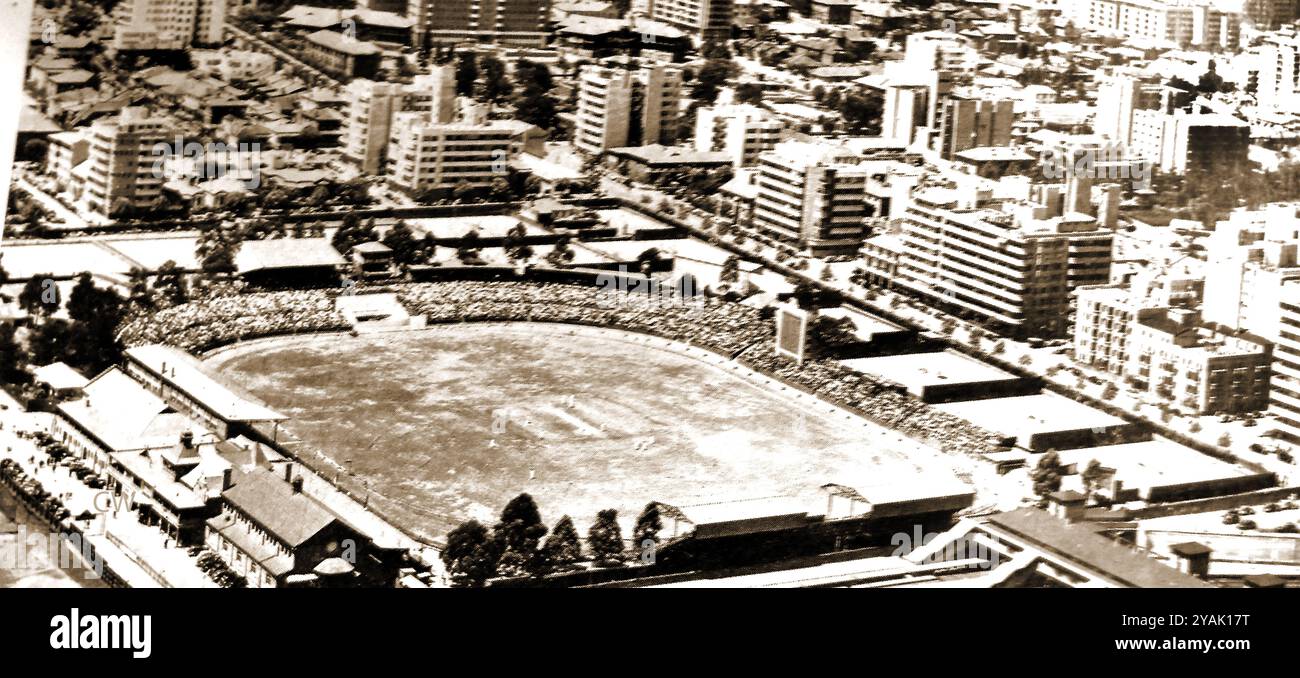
point(123, 158)
point(814, 195)
point(620, 107)
point(742, 131)
point(511, 22)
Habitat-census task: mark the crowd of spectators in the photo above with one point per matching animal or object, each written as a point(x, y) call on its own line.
point(207, 323)
point(729, 329)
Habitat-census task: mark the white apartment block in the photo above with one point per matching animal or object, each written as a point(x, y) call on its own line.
point(124, 165)
point(1169, 353)
point(67, 150)
point(367, 127)
point(372, 105)
point(1252, 254)
point(425, 155)
point(1278, 72)
point(1177, 142)
point(1284, 397)
point(1012, 264)
point(607, 96)
point(168, 24)
point(703, 19)
point(1184, 22)
point(742, 131)
point(812, 194)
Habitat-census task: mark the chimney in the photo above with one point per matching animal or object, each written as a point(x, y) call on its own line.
point(297, 485)
point(187, 439)
point(1192, 558)
point(288, 471)
point(225, 479)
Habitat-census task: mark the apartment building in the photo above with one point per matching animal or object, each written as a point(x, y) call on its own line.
point(1277, 71)
point(1184, 22)
point(1178, 142)
point(67, 150)
point(1012, 264)
point(1176, 358)
point(342, 56)
point(968, 123)
point(1170, 352)
point(703, 19)
point(168, 24)
point(812, 194)
point(1284, 397)
point(123, 170)
point(372, 105)
point(621, 106)
point(426, 155)
point(1118, 97)
point(1252, 255)
point(510, 22)
point(742, 131)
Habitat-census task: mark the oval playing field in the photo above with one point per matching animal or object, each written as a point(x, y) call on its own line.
point(450, 423)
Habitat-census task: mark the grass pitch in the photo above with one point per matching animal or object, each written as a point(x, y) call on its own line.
point(450, 423)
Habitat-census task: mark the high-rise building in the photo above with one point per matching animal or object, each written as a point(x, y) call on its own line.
point(511, 22)
point(703, 19)
point(1284, 396)
point(372, 105)
point(168, 24)
point(620, 106)
point(1277, 71)
point(1185, 22)
point(125, 169)
point(1177, 142)
point(967, 123)
point(742, 131)
point(1119, 96)
point(1013, 264)
point(425, 154)
point(812, 194)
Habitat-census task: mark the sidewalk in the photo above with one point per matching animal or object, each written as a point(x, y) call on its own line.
point(136, 552)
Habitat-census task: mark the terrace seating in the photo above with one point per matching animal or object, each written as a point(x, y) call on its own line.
point(729, 329)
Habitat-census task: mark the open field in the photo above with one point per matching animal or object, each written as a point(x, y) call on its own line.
point(450, 423)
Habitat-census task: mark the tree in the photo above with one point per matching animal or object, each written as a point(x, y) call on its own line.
point(140, 296)
point(534, 103)
point(169, 284)
point(1047, 474)
point(216, 248)
point(562, 548)
point(730, 270)
point(11, 353)
point(646, 532)
point(466, 73)
point(401, 240)
point(1092, 476)
point(749, 93)
point(40, 295)
point(495, 83)
point(605, 539)
point(463, 191)
point(1110, 392)
point(92, 340)
point(713, 75)
point(862, 113)
point(1225, 440)
point(470, 556)
point(517, 535)
point(48, 343)
point(561, 254)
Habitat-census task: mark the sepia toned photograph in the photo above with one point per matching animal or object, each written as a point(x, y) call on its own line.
point(670, 294)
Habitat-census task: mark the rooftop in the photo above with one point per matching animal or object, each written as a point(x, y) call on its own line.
point(184, 372)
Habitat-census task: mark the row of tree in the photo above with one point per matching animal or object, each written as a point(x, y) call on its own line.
point(514, 547)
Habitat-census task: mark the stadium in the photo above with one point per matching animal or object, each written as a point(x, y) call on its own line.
point(438, 402)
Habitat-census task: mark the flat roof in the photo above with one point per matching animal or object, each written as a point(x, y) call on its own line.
point(1154, 463)
point(1031, 414)
point(742, 509)
point(867, 325)
point(257, 255)
point(185, 373)
point(919, 370)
